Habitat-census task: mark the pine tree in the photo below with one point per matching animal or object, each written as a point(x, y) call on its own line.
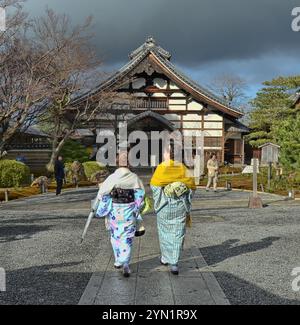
point(287, 135)
point(273, 103)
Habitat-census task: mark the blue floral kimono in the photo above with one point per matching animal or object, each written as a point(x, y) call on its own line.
point(122, 220)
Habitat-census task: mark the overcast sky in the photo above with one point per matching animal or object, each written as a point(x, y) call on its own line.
point(252, 38)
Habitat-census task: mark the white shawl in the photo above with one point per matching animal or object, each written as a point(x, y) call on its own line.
point(122, 178)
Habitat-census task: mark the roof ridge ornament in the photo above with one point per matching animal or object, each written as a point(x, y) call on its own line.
point(150, 41)
point(150, 45)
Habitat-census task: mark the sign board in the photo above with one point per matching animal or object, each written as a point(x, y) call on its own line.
point(249, 170)
point(269, 153)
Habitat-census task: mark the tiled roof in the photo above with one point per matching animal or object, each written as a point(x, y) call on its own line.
point(137, 56)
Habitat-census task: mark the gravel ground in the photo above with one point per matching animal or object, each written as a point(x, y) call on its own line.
point(251, 252)
point(40, 250)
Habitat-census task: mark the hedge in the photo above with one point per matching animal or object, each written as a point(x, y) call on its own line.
point(13, 173)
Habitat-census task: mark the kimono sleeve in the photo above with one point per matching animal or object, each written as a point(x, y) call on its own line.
point(104, 207)
point(139, 197)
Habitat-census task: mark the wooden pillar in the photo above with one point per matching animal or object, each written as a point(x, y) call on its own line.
point(269, 175)
point(243, 151)
point(223, 142)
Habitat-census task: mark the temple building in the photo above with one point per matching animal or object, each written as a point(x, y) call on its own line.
point(166, 99)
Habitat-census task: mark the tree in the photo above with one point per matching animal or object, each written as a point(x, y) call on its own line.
point(74, 151)
point(287, 135)
point(69, 72)
point(273, 103)
point(41, 65)
point(231, 88)
point(17, 74)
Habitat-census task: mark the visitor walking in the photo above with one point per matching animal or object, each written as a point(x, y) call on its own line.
point(121, 198)
point(213, 172)
point(59, 172)
point(172, 188)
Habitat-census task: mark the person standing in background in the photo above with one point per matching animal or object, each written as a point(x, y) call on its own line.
point(21, 158)
point(213, 172)
point(59, 171)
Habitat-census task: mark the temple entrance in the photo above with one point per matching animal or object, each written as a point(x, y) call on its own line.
point(149, 122)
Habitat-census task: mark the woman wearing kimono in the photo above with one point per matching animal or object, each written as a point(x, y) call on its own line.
point(172, 189)
point(121, 198)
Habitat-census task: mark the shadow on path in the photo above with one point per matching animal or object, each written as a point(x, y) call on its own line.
point(219, 253)
point(241, 292)
point(41, 286)
point(20, 232)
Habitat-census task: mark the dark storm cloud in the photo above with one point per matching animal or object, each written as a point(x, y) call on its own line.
point(251, 38)
point(192, 30)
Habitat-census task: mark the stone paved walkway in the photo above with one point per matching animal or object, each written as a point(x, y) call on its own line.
point(152, 284)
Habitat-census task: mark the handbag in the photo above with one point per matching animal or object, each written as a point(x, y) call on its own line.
point(148, 207)
point(176, 190)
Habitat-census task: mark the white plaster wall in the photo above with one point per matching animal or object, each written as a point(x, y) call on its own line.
point(191, 125)
point(213, 133)
point(194, 106)
point(178, 95)
point(160, 83)
point(137, 84)
point(213, 117)
point(159, 95)
point(192, 117)
point(173, 86)
point(213, 125)
point(190, 133)
point(177, 101)
point(212, 148)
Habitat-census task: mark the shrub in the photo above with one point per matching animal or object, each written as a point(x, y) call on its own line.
point(13, 173)
point(91, 168)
